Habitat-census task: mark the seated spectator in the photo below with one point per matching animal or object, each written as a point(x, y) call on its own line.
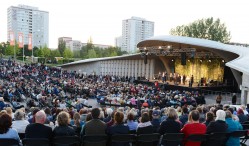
point(77, 123)
point(193, 127)
point(2, 104)
point(209, 117)
point(63, 129)
point(242, 117)
point(118, 127)
point(109, 113)
point(155, 120)
point(170, 125)
point(184, 117)
point(38, 129)
point(5, 128)
point(111, 122)
point(20, 123)
point(83, 114)
point(130, 122)
point(94, 126)
point(232, 126)
point(32, 118)
point(9, 112)
point(145, 126)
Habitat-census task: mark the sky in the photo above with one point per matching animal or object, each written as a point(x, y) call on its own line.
point(102, 19)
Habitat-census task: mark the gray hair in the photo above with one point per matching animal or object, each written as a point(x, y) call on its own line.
point(19, 115)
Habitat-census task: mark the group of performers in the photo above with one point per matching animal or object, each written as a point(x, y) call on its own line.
point(176, 78)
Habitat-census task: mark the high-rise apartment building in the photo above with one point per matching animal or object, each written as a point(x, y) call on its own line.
point(135, 30)
point(27, 19)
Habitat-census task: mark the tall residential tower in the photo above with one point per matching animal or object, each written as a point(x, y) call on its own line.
point(135, 30)
point(27, 19)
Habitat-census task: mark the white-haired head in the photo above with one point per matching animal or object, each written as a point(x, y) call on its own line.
point(109, 111)
point(220, 115)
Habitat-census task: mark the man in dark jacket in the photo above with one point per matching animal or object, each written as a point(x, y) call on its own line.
point(155, 120)
point(184, 117)
point(95, 126)
point(38, 129)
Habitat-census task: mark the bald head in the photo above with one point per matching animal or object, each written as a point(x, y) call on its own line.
point(40, 117)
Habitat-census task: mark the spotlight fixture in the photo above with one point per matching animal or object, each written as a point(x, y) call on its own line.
point(172, 60)
point(209, 60)
point(159, 47)
point(223, 60)
point(200, 60)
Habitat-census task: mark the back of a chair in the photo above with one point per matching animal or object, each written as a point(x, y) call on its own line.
point(94, 139)
point(21, 135)
point(197, 137)
point(8, 142)
point(148, 137)
point(66, 141)
point(218, 138)
point(238, 133)
point(35, 142)
point(177, 137)
point(245, 126)
point(123, 138)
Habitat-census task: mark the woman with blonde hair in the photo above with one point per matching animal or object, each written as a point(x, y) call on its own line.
point(63, 129)
point(77, 123)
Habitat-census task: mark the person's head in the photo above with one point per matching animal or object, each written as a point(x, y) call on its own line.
point(130, 116)
point(228, 114)
point(172, 113)
point(63, 119)
point(155, 114)
point(76, 118)
point(40, 117)
point(9, 111)
point(47, 111)
point(145, 117)
point(95, 113)
point(19, 115)
point(194, 116)
point(109, 111)
point(83, 111)
point(89, 117)
point(184, 110)
point(209, 116)
point(220, 115)
point(1, 99)
point(240, 112)
point(5, 123)
point(118, 117)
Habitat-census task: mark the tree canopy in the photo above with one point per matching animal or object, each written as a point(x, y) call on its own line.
point(204, 28)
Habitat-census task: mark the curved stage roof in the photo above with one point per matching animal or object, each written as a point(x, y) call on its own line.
point(240, 63)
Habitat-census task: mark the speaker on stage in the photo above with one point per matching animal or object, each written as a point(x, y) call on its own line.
point(183, 58)
point(145, 59)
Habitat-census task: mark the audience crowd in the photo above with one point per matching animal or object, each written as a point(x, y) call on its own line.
point(57, 105)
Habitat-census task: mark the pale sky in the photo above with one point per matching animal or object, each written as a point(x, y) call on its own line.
point(102, 19)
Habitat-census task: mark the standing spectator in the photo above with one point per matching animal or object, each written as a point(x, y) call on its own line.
point(193, 127)
point(145, 127)
point(63, 129)
point(38, 129)
point(218, 98)
point(5, 128)
point(94, 126)
point(232, 126)
point(234, 99)
point(20, 123)
point(170, 126)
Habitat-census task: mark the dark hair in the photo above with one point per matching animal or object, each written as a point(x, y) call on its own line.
point(210, 116)
point(88, 117)
point(145, 117)
point(195, 115)
point(5, 123)
point(119, 117)
point(47, 111)
point(184, 110)
point(95, 113)
point(130, 116)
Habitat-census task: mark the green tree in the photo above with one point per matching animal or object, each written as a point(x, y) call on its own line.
point(35, 51)
point(46, 52)
point(55, 53)
point(204, 28)
point(40, 52)
point(61, 46)
point(12, 50)
point(67, 53)
point(92, 54)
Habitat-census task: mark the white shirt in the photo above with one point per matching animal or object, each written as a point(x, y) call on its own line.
point(20, 125)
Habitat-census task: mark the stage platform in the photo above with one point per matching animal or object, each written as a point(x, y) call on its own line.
point(172, 86)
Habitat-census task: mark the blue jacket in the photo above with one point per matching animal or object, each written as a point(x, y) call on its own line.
point(233, 126)
point(2, 105)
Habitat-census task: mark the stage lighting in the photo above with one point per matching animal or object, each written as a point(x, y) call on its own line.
point(172, 60)
point(223, 61)
point(209, 60)
point(159, 47)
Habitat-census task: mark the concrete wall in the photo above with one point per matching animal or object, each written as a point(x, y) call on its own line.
point(87, 68)
point(245, 89)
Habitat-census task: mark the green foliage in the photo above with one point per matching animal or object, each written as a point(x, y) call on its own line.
point(55, 53)
point(41, 60)
point(92, 54)
point(67, 53)
point(62, 46)
point(11, 50)
point(40, 53)
point(205, 28)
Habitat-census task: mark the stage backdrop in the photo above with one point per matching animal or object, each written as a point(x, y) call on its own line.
point(210, 69)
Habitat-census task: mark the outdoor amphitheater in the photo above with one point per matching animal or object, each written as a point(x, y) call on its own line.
point(177, 91)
